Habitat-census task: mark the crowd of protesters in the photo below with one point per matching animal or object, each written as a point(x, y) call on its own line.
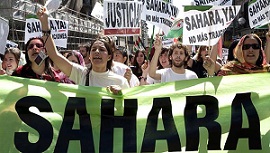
point(103, 64)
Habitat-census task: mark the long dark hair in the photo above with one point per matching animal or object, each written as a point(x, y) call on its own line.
point(163, 51)
point(48, 63)
point(108, 47)
point(199, 52)
point(136, 64)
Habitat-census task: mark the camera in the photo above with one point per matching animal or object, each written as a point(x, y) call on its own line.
point(40, 58)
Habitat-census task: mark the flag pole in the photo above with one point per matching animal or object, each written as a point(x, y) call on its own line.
point(151, 43)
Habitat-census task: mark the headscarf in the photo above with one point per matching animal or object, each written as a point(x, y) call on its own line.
point(239, 65)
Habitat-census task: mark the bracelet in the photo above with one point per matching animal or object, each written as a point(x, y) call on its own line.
point(142, 78)
point(46, 33)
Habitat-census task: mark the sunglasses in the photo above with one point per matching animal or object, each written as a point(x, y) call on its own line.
point(32, 46)
point(254, 46)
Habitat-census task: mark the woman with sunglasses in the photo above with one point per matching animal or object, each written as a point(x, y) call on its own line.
point(249, 57)
point(33, 68)
point(99, 74)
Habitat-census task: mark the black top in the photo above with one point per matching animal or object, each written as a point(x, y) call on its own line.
point(198, 68)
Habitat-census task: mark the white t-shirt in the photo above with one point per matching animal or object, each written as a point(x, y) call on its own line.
point(120, 69)
point(78, 75)
point(150, 80)
point(168, 75)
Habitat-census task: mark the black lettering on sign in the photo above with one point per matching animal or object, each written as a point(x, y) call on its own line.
point(121, 20)
point(60, 24)
point(43, 127)
point(192, 122)
point(84, 134)
point(109, 121)
point(203, 20)
point(152, 134)
point(236, 131)
point(33, 27)
point(123, 14)
point(229, 13)
point(53, 28)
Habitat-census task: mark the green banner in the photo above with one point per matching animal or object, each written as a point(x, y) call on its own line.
point(219, 114)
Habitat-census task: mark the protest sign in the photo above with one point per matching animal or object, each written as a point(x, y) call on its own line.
point(4, 29)
point(212, 2)
point(204, 25)
point(122, 18)
point(219, 114)
point(59, 30)
point(97, 12)
point(258, 13)
point(160, 13)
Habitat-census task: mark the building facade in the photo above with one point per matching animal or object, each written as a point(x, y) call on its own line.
point(240, 25)
point(82, 27)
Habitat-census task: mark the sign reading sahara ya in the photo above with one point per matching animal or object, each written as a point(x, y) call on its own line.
point(212, 2)
point(59, 30)
point(204, 25)
point(159, 13)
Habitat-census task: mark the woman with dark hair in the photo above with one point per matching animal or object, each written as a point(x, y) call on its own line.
point(131, 59)
point(75, 57)
point(31, 69)
point(163, 62)
point(11, 60)
point(249, 57)
point(231, 49)
point(120, 55)
point(99, 74)
point(139, 60)
point(196, 64)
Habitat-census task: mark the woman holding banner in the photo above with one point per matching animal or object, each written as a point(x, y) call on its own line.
point(249, 56)
point(99, 74)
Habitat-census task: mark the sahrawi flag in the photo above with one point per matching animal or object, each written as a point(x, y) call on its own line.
point(212, 2)
point(204, 25)
point(176, 29)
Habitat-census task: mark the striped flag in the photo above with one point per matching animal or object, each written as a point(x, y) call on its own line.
point(135, 47)
point(176, 29)
point(140, 42)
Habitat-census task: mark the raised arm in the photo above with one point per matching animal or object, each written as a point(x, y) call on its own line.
point(61, 62)
point(153, 65)
point(213, 53)
point(267, 47)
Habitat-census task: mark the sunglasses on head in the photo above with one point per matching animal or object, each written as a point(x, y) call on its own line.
point(32, 45)
point(254, 46)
